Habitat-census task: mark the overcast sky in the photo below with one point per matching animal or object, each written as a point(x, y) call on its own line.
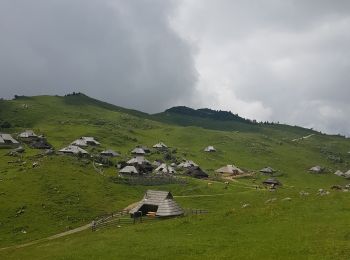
point(280, 60)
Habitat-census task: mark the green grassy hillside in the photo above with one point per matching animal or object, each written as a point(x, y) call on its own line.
point(225, 121)
point(65, 192)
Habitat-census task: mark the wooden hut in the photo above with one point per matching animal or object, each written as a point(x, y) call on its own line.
point(187, 164)
point(72, 149)
point(109, 153)
point(196, 172)
point(138, 151)
point(272, 182)
point(160, 145)
point(209, 149)
point(164, 169)
point(267, 170)
point(229, 170)
point(28, 135)
point(6, 140)
point(158, 203)
point(316, 169)
point(85, 141)
point(129, 170)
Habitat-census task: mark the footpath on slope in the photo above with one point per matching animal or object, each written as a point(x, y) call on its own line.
point(85, 227)
point(66, 233)
point(304, 137)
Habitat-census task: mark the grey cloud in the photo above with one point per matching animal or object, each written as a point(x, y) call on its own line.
point(124, 52)
point(281, 60)
point(291, 56)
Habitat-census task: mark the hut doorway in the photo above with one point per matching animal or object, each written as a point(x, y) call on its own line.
point(148, 208)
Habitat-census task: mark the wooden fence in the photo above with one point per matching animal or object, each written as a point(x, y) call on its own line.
point(119, 218)
point(196, 211)
point(149, 180)
point(123, 218)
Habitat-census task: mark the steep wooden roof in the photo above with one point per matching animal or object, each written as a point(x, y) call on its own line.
point(163, 199)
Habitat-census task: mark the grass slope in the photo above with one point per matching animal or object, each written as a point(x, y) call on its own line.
point(66, 192)
point(225, 121)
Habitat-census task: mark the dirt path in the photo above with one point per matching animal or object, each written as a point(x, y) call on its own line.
point(66, 233)
point(195, 196)
point(87, 226)
point(304, 137)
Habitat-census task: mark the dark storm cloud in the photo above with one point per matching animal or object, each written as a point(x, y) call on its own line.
point(280, 60)
point(124, 52)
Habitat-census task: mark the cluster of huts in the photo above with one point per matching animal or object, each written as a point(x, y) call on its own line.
point(343, 174)
point(28, 136)
point(137, 165)
point(319, 169)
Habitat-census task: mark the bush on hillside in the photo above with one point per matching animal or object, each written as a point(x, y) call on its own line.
point(5, 124)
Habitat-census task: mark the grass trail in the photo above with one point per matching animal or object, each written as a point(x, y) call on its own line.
point(62, 234)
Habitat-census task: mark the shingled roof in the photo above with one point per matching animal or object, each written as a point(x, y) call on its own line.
point(85, 141)
point(110, 153)
point(164, 168)
point(7, 139)
point(162, 201)
point(160, 145)
point(129, 170)
point(196, 172)
point(72, 149)
point(138, 160)
point(138, 151)
point(209, 148)
point(27, 134)
point(230, 169)
point(187, 164)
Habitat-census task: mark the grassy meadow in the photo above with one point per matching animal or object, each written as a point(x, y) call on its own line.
point(66, 192)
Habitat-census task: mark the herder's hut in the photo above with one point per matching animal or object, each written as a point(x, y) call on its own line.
point(7, 140)
point(209, 149)
point(141, 164)
point(138, 151)
point(339, 173)
point(109, 153)
point(347, 174)
point(157, 163)
point(130, 170)
point(164, 169)
point(160, 146)
point(28, 134)
point(272, 182)
point(80, 143)
point(196, 172)
point(85, 141)
point(138, 160)
point(73, 149)
point(229, 170)
point(90, 140)
point(187, 164)
point(267, 170)
point(158, 203)
point(40, 143)
point(316, 169)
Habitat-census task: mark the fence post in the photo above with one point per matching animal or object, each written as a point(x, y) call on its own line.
point(93, 226)
point(140, 214)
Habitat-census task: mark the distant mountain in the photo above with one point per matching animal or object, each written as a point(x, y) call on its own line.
point(223, 121)
point(209, 113)
point(179, 115)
